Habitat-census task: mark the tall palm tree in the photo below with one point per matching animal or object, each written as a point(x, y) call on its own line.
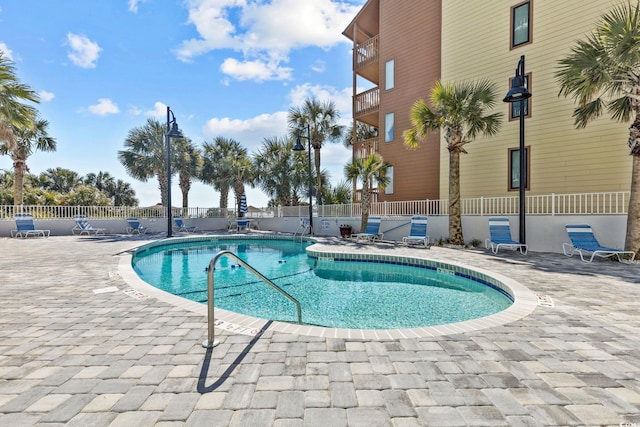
point(601, 73)
point(218, 157)
point(14, 114)
point(372, 168)
point(145, 155)
point(461, 112)
point(280, 171)
point(103, 181)
point(26, 140)
point(322, 119)
point(123, 195)
point(243, 173)
point(188, 163)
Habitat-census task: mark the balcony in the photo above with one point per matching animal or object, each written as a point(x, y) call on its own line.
point(366, 106)
point(363, 149)
point(365, 60)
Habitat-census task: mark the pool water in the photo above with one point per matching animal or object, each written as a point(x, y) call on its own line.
point(332, 293)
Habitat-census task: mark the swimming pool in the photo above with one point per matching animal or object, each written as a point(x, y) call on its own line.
point(335, 290)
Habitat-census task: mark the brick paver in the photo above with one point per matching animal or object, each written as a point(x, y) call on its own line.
point(71, 356)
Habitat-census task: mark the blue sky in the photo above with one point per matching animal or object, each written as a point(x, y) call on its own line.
point(229, 68)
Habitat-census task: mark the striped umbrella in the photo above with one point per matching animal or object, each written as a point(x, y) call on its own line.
point(243, 204)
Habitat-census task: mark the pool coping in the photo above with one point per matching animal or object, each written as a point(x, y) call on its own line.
point(525, 301)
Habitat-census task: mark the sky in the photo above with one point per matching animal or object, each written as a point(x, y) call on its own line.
point(230, 68)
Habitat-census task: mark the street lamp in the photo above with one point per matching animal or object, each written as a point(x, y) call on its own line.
point(300, 147)
point(172, 132)
point(519, 93)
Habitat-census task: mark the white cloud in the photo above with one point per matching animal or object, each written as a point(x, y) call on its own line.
point(133, 5)
point(46, 96)
point(264, 32)
point(319, 66)
point(255, 70)
point(341, 98)
point(103, 107)
point(6, 52)
point(159, 110)
point(250, 132)
point(83, 52)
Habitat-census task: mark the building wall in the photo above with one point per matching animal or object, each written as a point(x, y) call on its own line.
point(476, 44)
point(409, 34)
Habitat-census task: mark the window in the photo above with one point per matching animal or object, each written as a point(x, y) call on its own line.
point(389, 120)
point(514, 107)
point(390, 76)
point(514, 168)
point(389, 174)
point(521, 24)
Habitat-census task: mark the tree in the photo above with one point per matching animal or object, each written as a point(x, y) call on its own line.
point(188, 163)
point(14, 114)
point(372, 168)
point(123, 195)
point(218, 158)
point(281, 172)
point(60, 180)
point(460, 111)
point(322, 119)
point(601, 73)
point(145, 156)
point(339, 195)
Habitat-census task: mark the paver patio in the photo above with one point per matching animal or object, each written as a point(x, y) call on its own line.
point(70, 356)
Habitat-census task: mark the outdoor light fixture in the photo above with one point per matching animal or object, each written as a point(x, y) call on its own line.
point(300, 147)
point(172, 132)
point(519, 93)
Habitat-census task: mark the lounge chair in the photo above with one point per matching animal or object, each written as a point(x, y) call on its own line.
point(25, 227)
point(83, 227)
point(418, 231)
point(181, 226)
point(242, 224)
point(135, 226)
point(371, 231)
point(583, 240)
point(500, 233)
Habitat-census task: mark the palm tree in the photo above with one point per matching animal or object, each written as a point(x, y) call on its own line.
point(322, 119)
point(243, 173)
point(14, 114)
point(339, 195)
point(188, 164)
point(25, 141)
point(123, 195)
point(103, 181)
point(145, 155)
point(603, 72)
point(280, 171)
point(60, 180)
point(460, 111)
point(218, 158)
point(367, 170)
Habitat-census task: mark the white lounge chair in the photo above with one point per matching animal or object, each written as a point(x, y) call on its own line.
point(418, 231)
point(583, 240)
point(83, 227)
point(371, 231)
point(500, 233)
point(25, 227)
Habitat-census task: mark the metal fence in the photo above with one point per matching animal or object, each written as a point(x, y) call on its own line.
point(612, 203)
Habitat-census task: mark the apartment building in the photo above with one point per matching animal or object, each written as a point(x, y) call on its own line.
point(419, 41)
point(396, 60)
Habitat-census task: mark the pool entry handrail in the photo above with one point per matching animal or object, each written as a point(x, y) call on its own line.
point(211, 341)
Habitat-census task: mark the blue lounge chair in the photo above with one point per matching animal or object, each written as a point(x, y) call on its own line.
point(583, 240)
point(418, 231)
point(371, 231)
point(181, 226)
point(135, 226)
point(25, 227)
point(83, 227)
point(500, 235)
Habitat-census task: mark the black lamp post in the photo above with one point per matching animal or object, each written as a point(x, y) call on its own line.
point(519, 93)
point(172, 132)
point(300, 147)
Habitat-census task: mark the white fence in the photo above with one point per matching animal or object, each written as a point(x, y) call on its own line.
point(613, 203)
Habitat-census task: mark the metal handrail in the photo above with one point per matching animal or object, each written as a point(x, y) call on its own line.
point(211, 341)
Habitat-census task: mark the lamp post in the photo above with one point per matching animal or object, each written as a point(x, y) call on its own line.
point(300, 147)
point(172, 132)
point(519, 93)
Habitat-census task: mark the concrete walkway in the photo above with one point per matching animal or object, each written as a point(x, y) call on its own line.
point(71, 356)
